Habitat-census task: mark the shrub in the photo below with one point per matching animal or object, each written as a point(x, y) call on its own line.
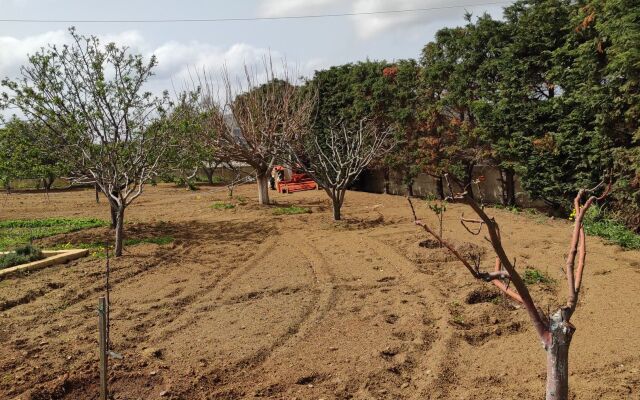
point(598, 224)
point(21, 255)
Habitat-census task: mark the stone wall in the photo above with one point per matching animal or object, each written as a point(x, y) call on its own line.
point(491, 189)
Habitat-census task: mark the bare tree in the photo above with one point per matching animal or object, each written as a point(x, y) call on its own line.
point(335, 157)
point(259, 116)
point(91, 96)
point(555, 331)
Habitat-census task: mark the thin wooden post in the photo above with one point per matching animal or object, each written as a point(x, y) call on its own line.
point(108, 302)
point(104, 357)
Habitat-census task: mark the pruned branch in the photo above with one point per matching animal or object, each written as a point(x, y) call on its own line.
point(578, 244)
point(505, 269)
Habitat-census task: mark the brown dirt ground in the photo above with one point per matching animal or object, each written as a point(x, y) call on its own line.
point(245, 304)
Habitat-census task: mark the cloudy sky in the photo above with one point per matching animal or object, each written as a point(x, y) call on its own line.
point(307, 44)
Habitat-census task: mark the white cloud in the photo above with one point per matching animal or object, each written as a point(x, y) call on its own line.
point(178, 62)
point(368, 26)
point(279, 8)
point(14, 51)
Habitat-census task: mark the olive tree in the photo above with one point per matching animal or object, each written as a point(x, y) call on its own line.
point(91, 96)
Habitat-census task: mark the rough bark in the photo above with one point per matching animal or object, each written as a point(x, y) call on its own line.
point(209, 173)
point(336, 209)
point(48, 182)
point(440, 188)
point(560, 334)
point(509, 187)
point(386, 180)
point(468, 181)
point(410, 189)
point(119, 231)
point(337, 199)
point(114, 214)
point(263, 187)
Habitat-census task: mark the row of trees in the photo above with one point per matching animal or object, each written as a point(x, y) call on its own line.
point(551, 93)
point(89, 119)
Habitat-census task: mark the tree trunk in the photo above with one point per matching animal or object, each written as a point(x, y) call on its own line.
point(386, 180)
point(561, 332)
point(48, 182)
point(440, 187)
point(510, 187)
point(468, 181)
point(114, 214)
point(263, 187)
point(119, 231)
point(209, 173)
point(410, 189)
point(336, 208)
point(97, 193)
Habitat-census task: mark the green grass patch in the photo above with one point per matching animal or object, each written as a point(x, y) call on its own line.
point(291, 210)
point(532, 276)
point(596, 223)
point(21, 255)
point(219, 205)
point(18, 232)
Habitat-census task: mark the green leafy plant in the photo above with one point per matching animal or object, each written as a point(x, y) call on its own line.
point(532, 276)
point(219, 205)
point(291, 210)
point(438, 207)
point(20, 231)
point(597, 223)
point(21, 255)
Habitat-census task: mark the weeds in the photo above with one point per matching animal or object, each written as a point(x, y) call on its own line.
point(596, 223)
point(533, 276)
point(219, 205)
point(21, 255)
point(14, 233)
point(291, 210)
point(241, 200)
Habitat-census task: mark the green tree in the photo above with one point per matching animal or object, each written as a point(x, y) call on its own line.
point(599, 66)
point(91, 97)
point(27, 151)
point(383, 94)
point(191, 142)
point(402, 108)
point(453, 142)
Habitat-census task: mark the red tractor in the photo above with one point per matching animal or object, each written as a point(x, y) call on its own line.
point(298, 182)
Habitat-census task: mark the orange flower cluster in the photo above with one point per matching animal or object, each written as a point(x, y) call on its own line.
point(390, 72)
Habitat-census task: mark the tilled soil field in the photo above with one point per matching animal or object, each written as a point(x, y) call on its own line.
point(245, 304)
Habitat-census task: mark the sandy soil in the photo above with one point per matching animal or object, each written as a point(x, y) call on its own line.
point(245, 304)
